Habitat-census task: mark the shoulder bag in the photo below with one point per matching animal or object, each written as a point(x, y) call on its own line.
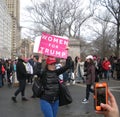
point(64, 95)
point(37, 87)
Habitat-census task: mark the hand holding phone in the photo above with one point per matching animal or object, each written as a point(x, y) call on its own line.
point(100, 95)
point(111, 109)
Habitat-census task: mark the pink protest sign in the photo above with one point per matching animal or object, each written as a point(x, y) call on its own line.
point(53, 45)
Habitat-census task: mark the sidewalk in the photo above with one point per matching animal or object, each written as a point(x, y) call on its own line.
point(111, 84)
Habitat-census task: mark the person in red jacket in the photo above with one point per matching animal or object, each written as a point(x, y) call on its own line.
point(106, 67)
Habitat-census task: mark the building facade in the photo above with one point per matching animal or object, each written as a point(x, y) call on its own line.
point(25, 47)
point(5, 31)
point(74, 48)
point(14, 11)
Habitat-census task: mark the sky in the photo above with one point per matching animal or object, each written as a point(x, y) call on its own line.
point(23, 16)
point(23, 5)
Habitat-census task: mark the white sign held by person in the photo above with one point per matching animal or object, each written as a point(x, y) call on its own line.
point(36, 44)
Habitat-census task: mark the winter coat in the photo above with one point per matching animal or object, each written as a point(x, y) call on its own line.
point(9, 68)
point(51, 82)
point(21, 70)
point(31, 62)
point(106, 65)
point(90, 75)
point(37, 69)
point(80, 68)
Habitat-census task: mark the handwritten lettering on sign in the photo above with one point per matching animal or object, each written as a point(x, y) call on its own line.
point(53, 45)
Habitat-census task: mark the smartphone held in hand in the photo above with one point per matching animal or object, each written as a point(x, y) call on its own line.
point(100, 95)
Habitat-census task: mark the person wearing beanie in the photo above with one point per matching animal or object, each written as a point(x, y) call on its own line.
point(21, 77)
point(90, 78)
point(49, 100)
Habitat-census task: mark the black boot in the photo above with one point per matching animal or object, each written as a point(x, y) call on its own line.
point(14, 99)
point(24, 99)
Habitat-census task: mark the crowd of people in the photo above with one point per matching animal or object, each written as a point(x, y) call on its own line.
point(88, 71)
point(105, 68)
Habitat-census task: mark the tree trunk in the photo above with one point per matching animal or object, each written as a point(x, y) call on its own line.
point(118, 39)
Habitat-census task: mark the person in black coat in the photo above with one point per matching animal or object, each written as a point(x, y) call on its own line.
point(21, 77)
point(49, 100)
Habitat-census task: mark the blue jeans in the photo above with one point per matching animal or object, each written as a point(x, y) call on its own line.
point(107, 74)
point(68, 76)
point(49, 109)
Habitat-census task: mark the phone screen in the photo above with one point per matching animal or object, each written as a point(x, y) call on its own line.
point(101, 95)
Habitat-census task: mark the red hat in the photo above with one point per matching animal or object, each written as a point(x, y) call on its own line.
point(50, 60)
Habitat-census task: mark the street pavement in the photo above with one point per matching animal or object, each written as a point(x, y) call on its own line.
point(31, 108)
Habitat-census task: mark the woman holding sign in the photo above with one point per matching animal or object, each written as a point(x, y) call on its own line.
point(49, 101)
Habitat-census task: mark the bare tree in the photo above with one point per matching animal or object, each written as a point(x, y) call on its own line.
point(113, 6)
point(104, 44)
point(59, 17)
